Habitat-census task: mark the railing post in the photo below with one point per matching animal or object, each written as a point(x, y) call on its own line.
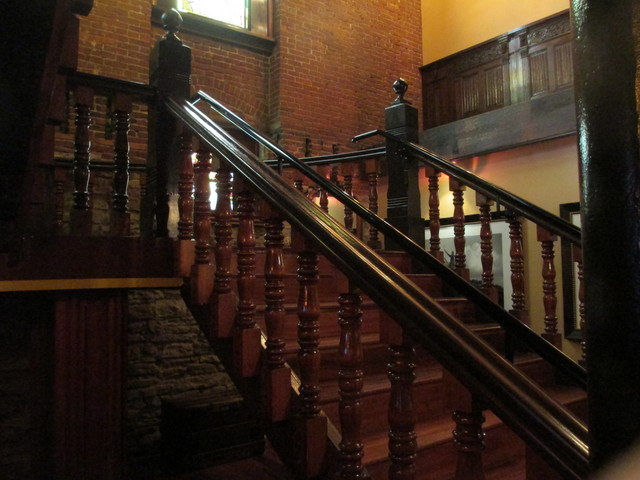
point(403, 194)
point(350, 383)
point(486, 246)
point(223, 299)
point(550, 300)
point(81, 213)
point(434, 213)
point(460, 258)
point(169, 73)
point(120, 217)
point(311, 426)
point(276, 375)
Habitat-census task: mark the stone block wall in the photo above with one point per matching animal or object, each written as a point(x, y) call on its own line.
point(168, 357)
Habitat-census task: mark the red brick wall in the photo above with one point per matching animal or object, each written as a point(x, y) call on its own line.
point(329, 77)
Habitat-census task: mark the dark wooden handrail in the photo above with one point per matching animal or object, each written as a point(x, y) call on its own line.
point(552, 223)
point(539, 345)
point(345, 157)
point(545, 425)
point(104, 85)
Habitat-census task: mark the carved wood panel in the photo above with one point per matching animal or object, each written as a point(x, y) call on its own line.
point(532, 61)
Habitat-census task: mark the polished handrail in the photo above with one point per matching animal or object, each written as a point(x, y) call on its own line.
point(525, 334)
point(549, 221)
point(334, 158)
point(544, 424)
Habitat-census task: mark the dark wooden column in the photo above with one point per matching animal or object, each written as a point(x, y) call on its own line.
point(403, 194)
point(610, 168)
point(169, 72)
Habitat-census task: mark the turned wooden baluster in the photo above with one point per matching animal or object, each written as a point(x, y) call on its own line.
point(550, 300)
point(120, 220)
point(312, 426)
point(324, 200)
point(223, 300)
point(468, 436)
point(350, 382)
point(185, 253)
point(577, 257)
point(372, 177)
point(402, 418)
point(81, 213)
point(434, 213)
point(516, 253)
point(246, 335)
point(59, 181)
point(277, 376)
point(202, 269)
point(486, 246)
point(348, 189)
point(459, 241)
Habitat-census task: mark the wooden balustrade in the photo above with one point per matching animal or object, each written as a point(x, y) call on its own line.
point(516, 254)
point(434, 213)
point(185, 253)
point(469, 437)
point(81, 213)
point(246, 334)
point(486, 246)
point(350, 383)
point(223, 299)
point(276, 377)
point(202, 270)
point(371, 167)
point(577, 258)
point(120, 219)
point(459, 241)
point(549, 300)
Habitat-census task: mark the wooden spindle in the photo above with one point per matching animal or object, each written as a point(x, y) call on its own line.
point(550, 300)
point(469, 437)
point(372, 177)
point(486, 246)
point(312, 426)
point(324, 200)
point(185, 253)
point(348, 213)
point(516, 254)
point(223, 300)
point(577, 257)
point(350, 382)
point(459, 241)
point(246, 335)
point(81, 212)
point(202, 270)
point(59, 181)
point(434, 213)
point(120, 220)
point(402, 417)
point(277, 376)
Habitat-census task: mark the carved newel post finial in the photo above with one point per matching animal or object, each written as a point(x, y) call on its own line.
point(400, 86)
point(171, 22)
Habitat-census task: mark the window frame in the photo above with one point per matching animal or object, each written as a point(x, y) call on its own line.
point(258, 36)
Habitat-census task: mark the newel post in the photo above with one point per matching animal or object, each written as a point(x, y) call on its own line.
point(169, 73)
point(403, 194)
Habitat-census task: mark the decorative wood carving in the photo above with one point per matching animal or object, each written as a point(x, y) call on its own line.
point(550, 300)
point(402, 417)
point(350, 382)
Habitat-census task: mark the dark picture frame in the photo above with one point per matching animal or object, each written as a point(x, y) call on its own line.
point(571, 213)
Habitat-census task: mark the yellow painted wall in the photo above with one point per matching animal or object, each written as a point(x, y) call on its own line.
point(449, 26)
